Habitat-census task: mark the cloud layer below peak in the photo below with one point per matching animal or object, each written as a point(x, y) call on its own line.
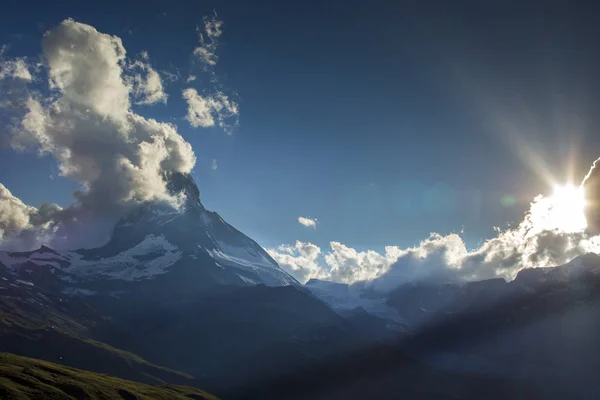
point(535, 242)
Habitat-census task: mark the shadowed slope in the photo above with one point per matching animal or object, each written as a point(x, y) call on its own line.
point(28, 378)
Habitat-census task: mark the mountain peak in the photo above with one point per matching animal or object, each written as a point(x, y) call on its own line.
point(178, 182)
point(46, 249)
point(155, 237)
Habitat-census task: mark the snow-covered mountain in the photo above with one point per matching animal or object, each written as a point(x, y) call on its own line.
point(343, 298)
point(153, 240)
point(416, 303)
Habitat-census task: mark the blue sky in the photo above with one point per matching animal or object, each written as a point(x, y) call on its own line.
point(385, 122)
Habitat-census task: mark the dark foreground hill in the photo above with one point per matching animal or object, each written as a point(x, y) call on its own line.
point(24, 378)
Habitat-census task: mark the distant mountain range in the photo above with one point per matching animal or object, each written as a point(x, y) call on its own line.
point(541, 327)
point(182, 297)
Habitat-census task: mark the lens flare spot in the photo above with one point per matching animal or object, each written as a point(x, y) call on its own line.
point(508, 200)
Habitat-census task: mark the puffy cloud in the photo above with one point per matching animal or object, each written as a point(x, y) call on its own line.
point(199, 110)
point(345, 264)
point(86, 123)
point(437, 257)
point(446, 258)
point(306, 261)
point(591, 186)
point(545, 237)
point(146, 85)
point(308, 222)
point(300, 260)
point(209, 34)
point(170, 76)
point(23, 222)
point(214, 107)
point(210, 110)
point(16, 68)
point(14, 214)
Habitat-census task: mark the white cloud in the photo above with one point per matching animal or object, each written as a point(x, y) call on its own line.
point(308, 222)
point(16, 68)
point(86, 123)
point(445, 258)
point(17, 218)
point(14, 214)
point(347, 265)
point(214, 165)
point(209, 34)
point(306, 261)
point(300, 260)
point(199, 110)
point(210, 110)
point(170, 76)
point(146, 85)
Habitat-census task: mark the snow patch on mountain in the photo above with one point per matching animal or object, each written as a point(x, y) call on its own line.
point(13, 260)
point(343, 297)
point(245, 258)
point(152, 256)
point(246, 253)
point(247, 280)
point(73, 291)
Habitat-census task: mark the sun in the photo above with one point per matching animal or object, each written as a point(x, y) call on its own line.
point(566, 209)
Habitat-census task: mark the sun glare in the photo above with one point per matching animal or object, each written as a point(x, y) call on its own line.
point(566, 209)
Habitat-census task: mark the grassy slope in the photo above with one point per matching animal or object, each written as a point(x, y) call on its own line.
point(54, 328)
point(28, 378)
point(87, 354)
